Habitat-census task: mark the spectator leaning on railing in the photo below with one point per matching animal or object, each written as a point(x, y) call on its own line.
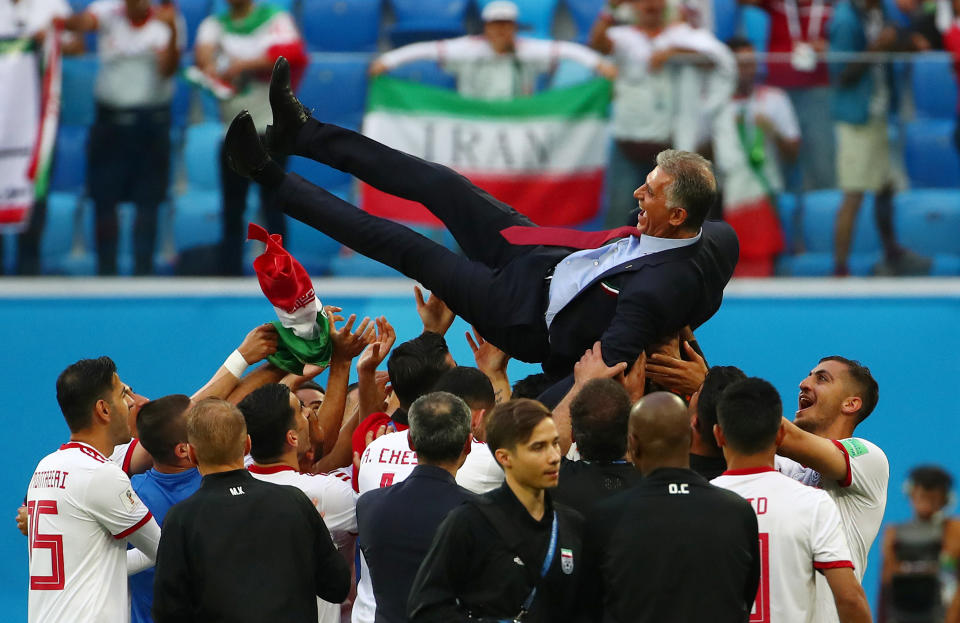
point(497, 64)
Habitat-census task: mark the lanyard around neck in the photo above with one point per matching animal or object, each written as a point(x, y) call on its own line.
point(793, 20)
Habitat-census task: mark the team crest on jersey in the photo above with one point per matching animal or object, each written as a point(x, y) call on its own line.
point(566, 560)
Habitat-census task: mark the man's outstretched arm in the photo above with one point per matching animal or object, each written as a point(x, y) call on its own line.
point(822, 455)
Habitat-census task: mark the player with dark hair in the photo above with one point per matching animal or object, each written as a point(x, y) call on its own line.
point(513, 553)
point(599, 416)
point(279, 437)
point(81, 509)
point(162, 426)
point(837, 395)
point(800, 528)
point(705, 456)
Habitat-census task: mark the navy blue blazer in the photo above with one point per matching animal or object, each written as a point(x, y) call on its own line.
point(638, 302)
point(396, 526)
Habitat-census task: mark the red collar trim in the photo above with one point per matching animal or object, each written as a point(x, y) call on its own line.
point(82, 446)
point(273, 469)
point(747, 471)
point(140, 22)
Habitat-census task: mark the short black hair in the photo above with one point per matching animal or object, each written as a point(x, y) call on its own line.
point(866, 386)
point(718, 379)
point(439, 427)
point(931, 478)
point(268, 415)
point(80, 386)
point(415, 366)
point(312, 385)
point(511, 423)
point(532, 386)
point(470, 385)
point(599, 415)
point(750, 414)
point(161, 425)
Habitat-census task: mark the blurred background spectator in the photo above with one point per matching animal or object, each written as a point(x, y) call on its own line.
point(920, 555)
point(129, 146)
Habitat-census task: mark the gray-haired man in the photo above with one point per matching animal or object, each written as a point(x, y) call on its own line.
point(520, 285)
point(397, 523)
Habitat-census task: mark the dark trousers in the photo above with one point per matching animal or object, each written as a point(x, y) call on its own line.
point(128, 160)
point(498, 287)
point(234, 188)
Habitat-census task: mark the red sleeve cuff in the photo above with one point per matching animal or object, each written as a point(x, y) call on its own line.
point(836, 564)
point(845, 482)
point(134, 527)
point(129, 455)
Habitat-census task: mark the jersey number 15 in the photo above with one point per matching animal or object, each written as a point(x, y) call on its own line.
point(52, 542)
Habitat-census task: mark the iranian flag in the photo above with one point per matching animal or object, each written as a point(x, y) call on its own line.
point(544, 155)
point(29, 114)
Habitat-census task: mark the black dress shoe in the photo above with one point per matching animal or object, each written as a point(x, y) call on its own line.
point(245, 154)
point(289, 114)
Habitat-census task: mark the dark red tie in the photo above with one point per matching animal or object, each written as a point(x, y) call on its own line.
point(561, 237)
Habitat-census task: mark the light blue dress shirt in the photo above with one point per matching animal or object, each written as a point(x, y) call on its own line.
point(578, 269)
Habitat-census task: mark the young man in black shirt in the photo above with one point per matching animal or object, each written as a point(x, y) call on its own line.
point(673, 547)
point(241, 550)
point(513, 554)
point(599, 416)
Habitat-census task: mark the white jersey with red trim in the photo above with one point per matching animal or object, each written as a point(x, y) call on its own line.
point(861, 498)
point(335, 501)
point(81, 510)
point(480, 472)
point(800, 531)
point(123, 454)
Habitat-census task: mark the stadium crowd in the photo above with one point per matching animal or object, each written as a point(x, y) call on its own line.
point(802, 105)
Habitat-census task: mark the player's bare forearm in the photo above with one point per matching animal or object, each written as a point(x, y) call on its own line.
point(219, 386)
point(342, 453)
point(267, 373)
point(813, 451)
point(330, 414)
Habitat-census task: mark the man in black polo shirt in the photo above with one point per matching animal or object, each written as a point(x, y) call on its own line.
point(397, 523)
point(599, 416)
point(239, 549)
point(674, 547)
point(512, 553)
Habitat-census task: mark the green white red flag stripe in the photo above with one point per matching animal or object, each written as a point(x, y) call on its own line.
point(545, 155)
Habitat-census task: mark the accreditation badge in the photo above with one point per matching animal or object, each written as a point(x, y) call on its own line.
point(566, 560)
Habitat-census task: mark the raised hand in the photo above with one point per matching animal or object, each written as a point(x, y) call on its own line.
point(347, 344)
point(677, 375)
point(434, 313)
point(379, 347)
point(489, 359)
point(259, 344)
point(592, 366)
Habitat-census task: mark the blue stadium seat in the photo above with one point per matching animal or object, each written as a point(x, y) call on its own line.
point(928, 221)
point(755, 26)
point(930, 154)
point(726, 14)
point(79, 75)
point(193, 13)
point(425, 72)
point(945, 266)
point(335, 87)
point(423, 20)
point(820, 264)
point(341, 25)
point(70, 160)
point(62, 248)
point(536, 16)
point(584, 14)
point(180, 106)
point(202, 155)
point(786, 208)
point(819, 219)
point(934, 85)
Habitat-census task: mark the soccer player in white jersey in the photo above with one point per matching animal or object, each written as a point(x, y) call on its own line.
point(279, 437)
point(800, 529)
point(82, 511)
point(835, 397)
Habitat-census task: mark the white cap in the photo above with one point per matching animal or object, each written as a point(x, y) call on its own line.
point(500, 11)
